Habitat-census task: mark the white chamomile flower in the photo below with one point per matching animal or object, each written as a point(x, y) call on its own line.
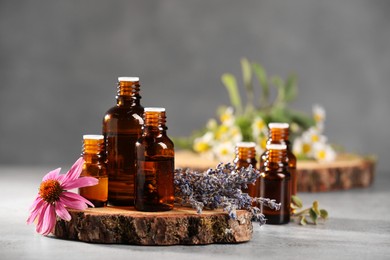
point(258, 127)
point(227, 117)
point(204, 143)
point(313, 135)
point(235, 134)
point(222, 133)
point(297, 147)
point(261, 142)
point(212, 124)
point(324, 152)
point(224, 152)
point(301, 147)
point(319, 115)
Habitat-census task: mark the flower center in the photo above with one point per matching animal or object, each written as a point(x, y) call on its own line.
point(50, 191)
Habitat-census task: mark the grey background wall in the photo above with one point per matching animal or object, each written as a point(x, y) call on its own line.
point(59, 61)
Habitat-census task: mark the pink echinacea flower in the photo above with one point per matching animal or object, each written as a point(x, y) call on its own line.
point(53, 197)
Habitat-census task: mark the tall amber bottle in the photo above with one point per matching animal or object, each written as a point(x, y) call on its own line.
point(155, 164)
point(275, 184)
point(94, 166)
point(245, 156)
point(279, 134)
point(121, 129)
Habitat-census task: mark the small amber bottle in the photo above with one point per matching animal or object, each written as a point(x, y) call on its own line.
point(245, 156)
point(279, 134)
point(94, 166)
point(121, 129)
point(155, 164)
point(275, 184)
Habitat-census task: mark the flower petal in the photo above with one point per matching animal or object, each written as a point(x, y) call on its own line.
point(35, 203)
point(74, 201)
point(49, 220)
point(62, 212)
point(52, 175)
point(80, 182)
point(43, 223)
point(41, 212)
point(35, 210)
point(74, 172)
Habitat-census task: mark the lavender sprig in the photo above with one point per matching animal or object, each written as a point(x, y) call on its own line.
point(220, 188)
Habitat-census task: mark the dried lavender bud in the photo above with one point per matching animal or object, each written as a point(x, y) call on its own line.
point(220, 188)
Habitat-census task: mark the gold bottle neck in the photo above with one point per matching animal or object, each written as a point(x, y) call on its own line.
point(128, 93)
point(245, 153)
point(155, 118)
point(93, 148)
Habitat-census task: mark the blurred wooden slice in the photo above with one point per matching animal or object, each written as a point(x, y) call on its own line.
point(346, 172)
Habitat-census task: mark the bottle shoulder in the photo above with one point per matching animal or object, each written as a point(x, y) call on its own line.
point(125, 110)
point(126, 115)
point(162, 141)
point(275, 174)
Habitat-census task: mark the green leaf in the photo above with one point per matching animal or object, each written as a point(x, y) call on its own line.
point(247, 78)
point(290, 89)
point(262, 78)
point(245, 125)
point(279, 84)
point(313, 216)
point(279, 114)
point(324, 213)
point(231, 86)
point(247, 74)
point(303, 221)
point(296, 201)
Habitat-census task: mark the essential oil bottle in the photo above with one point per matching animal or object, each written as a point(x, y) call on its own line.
point(94, 166)
point(275, 184)
point(121, 129)
point(279, 134)
point(245, 156)
point(155, 164)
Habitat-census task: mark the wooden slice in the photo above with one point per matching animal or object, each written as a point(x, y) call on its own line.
point(346, 172)
point(124, 225)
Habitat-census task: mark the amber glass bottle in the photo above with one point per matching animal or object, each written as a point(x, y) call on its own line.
point(155, 164)
point(94, 166)
point(245, 156)
point(278, 134)
point(275, 184)
point(121, 129)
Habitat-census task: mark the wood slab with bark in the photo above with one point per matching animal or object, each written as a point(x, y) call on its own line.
point(124, 225)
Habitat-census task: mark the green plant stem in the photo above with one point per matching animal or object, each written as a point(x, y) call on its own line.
point(302, 212)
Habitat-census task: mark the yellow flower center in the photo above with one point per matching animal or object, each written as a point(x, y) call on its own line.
point(306, 148)
point(318, 117)
point(225, 117)
point(201, 147)
point(224, 151)
point(263, 143)
point(315, 138)
point(260, 124)
point(222, 130)
point(50, 191)
point(321, 154)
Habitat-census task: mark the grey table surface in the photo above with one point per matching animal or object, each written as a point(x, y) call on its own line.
point(358, 228)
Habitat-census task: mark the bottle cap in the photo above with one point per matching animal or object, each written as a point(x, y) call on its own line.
point(93, 137)
point(278, 125)
point(246, 144)
point(276, 147)
point(154, 109)
point(128, 79)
